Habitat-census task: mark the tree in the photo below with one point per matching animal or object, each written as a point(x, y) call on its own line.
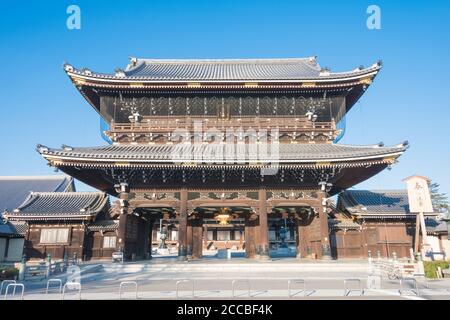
point(439, 200)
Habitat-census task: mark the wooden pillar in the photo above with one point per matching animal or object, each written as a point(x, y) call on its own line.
point(205, 239)
point(303, 250)
point(263, 232)
point(250, 245)
point(123, 218)
point(417, 234)
point(149, 239)
point(324, 234)
point(241, 237)
point(182, 226)
point(197, 238)
point(189, 238)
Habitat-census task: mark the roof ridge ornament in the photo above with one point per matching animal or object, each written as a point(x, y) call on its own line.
point(68, 67)
point(86, 71)
point(119, 73)
point(41, 148)
point(133, 61)
point(324, 72)
point(66, 147)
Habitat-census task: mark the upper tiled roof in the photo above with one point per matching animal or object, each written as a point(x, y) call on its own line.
point(226, 70)
point(14, 190)
point(60, 205)
point(169, 153)
point(375, 202)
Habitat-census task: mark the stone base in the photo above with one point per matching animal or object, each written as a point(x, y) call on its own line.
point(162, 252)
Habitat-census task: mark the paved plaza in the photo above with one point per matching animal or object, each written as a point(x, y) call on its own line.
point(211, 278)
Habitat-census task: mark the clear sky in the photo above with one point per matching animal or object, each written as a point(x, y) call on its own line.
point(409, 100)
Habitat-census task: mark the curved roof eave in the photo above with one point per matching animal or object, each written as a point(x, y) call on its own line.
point(329, 77)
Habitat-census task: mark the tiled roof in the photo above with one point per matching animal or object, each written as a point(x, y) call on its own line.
point(21, 227)
point(103, 225)
point(227, 70)
point(376, 203)
point(343, 224)
point(436, 226)
point(8, 230)
point(60, 205)
point(14, 190)
point(211, 152)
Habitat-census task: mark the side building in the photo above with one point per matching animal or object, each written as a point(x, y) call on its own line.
point(13, 191)
point(378, 221)
point(63, 224)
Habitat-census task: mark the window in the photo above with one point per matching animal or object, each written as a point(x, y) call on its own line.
point(109, 242)
point(54, 235)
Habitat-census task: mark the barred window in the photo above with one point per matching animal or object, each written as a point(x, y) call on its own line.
point(57, 235)
point(109, 242)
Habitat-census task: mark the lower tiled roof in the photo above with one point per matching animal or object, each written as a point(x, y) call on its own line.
point(15, 189)
point(375, 203)
point(60, 205)
point(8, 230)
point(169, 153)
point(103, 225)
point(343, 224)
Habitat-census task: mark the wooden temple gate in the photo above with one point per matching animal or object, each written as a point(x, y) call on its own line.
point(190, 206)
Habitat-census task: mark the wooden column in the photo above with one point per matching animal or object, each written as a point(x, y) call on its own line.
point(417, 234)
point(182, 226)
point(263, 232)
point(123, 218)
point(205, 239)
point(324, 234)
point(302, 238)
point(189, 238)
point(150, 239)
point(197, 238)
point(250, 245)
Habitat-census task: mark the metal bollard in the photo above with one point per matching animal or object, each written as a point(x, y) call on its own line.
point(123, 283)
point(75, 284)
point(5, 283)
point(185, 281)
point(347, 291)
point(59, 281)
point(290, 282)
point(414, 281)
point(14, 285)
point(233, 286)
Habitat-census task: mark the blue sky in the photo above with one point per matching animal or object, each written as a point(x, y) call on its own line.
point(409, 100)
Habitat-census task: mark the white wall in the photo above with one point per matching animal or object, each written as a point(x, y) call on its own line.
point(15, 250)
point(2, 249)
point(445, 244)
point(435, 244)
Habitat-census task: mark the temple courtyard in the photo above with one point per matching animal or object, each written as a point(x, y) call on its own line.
point(237, 278)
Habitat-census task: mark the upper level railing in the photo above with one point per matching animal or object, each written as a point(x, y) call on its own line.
point(165, 126)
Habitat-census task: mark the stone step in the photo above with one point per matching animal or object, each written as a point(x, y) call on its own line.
point(238, 267)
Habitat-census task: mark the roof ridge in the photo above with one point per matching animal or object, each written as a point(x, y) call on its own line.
point(377, 190)
point(68, 193)
point(226, 60)
point(43, 177)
